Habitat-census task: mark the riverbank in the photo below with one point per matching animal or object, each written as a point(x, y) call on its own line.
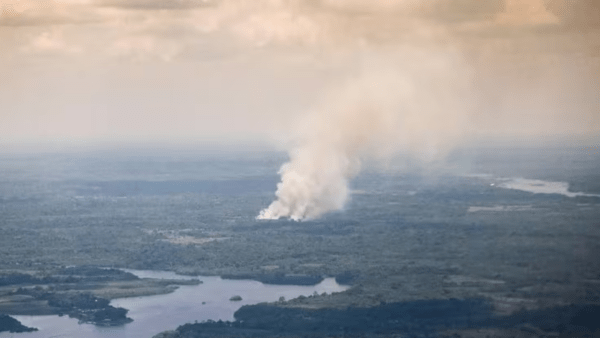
point(79, 292)
point(406, 237)
point(7, 323)
point(213, 299)
point(424, 318)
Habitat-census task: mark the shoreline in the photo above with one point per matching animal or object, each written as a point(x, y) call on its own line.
point(85, 293)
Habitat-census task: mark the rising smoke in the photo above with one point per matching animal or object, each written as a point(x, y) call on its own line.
point(411, 99)
point(402, 75)
point(411, 91)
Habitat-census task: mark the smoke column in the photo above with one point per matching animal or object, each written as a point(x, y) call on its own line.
point(412, 99)
point(418, 84)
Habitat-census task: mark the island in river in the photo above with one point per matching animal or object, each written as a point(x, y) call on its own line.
point(404, 238)
point(7, 323)
point(80, 292)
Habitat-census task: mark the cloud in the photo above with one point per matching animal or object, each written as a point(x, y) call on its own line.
point(325, 37)
point(51, 41)
point(27, 13)
point(532, 12)
point(143, 47)
point(576, 14)
point(327, 23)
point(156, 4)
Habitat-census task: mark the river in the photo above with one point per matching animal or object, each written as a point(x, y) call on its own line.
point(154, 314)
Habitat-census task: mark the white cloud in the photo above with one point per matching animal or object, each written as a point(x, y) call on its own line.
point(51, 40)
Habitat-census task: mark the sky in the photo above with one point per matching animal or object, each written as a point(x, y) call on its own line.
point(77, 73)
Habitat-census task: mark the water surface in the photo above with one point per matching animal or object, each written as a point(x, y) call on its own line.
point(154, 314)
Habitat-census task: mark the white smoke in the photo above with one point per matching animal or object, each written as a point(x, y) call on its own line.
point(411, 91)
point(413, 99)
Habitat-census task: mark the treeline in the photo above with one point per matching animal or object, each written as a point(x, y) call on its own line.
point(83, 306)
point(425, 318)
point(417, 318)
point(8, 323)
point(27, 279)
point(278, 279)
point(98, 274)
point(346, 278)
point(88, 309)
point(68, 275)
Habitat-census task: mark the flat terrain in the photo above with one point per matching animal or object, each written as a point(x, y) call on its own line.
point(404, 237)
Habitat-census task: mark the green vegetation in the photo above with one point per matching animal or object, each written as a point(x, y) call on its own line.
point(12, 325)
point(402, 237)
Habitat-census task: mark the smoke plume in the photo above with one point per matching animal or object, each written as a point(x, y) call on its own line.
point(382, 77)
point(410, 99)
point(421, 87)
